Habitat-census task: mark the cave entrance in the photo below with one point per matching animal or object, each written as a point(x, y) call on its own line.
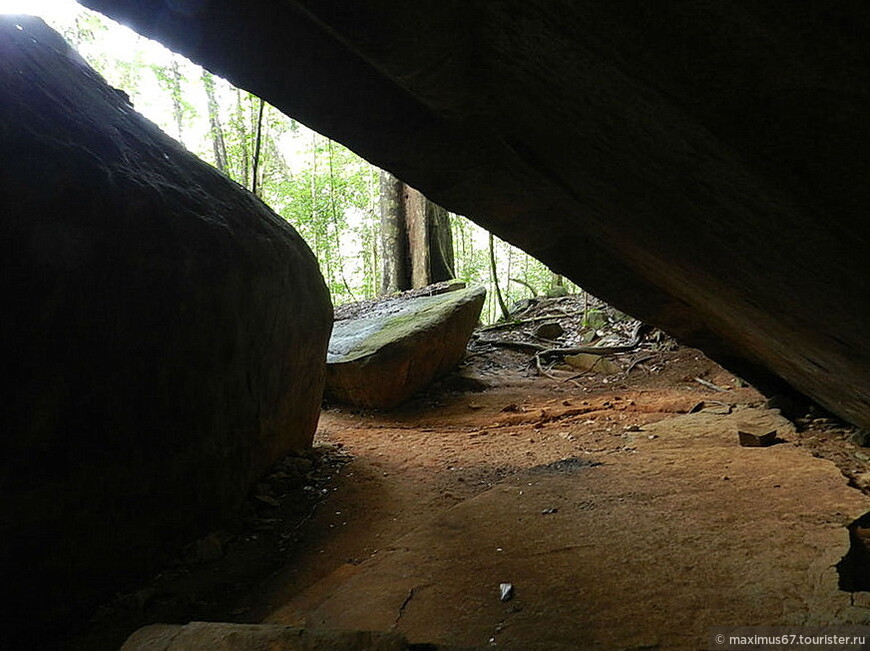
point(611, 498)
point(594, 494)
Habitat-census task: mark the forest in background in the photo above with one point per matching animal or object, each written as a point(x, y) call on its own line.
point(331, 196)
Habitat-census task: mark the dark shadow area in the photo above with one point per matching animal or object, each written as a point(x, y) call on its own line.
point(567, 465)
point(854, 568)
point(210, 579)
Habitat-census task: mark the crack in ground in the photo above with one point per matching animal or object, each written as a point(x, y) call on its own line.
point(413, 591)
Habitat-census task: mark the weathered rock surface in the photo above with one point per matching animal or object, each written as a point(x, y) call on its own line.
point(163, 337)
point(382, 358)
point(263, 637)
point(701, 166)
point(638, 547)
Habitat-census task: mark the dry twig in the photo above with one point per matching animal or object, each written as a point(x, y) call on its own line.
point(709, 385)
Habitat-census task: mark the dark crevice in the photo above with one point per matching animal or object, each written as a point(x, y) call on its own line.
point(854, 567)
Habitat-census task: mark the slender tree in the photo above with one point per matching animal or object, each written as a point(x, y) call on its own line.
point(335, 220)
point(176, 94)
point(171, 81)
point(219, 146)
point(494, 275)
point(258, 147)
point(241, 137)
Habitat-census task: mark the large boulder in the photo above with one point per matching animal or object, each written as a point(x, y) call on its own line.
point(163, 336)
point(384, 356)
point(701, 165)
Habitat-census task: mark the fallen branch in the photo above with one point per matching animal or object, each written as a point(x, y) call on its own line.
point(548, 373)
point(507, 343)
point(515, 322)
point(636, 336)
point(542, 371)
point(709, 385)
point(542, 352)
point(594, 350)
point(639, 360)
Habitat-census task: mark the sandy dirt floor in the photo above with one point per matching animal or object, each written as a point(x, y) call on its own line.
point(622, 520)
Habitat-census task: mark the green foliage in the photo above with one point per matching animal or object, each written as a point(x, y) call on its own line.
point(328, 193)
point(84, 32)
point(173, 83)
point(332, 203)
point(470, 244)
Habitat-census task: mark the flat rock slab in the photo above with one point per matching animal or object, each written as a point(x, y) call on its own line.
point(254, 637)
point(383, 358)
point(648, 549)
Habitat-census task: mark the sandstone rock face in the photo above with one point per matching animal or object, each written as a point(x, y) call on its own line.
point(163, 336)
point(381, 359)
point(260, 637)
point(701, 166)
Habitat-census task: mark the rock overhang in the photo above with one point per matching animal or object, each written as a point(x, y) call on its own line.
point(701, 166)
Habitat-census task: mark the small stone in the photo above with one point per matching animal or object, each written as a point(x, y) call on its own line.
point(755, 436)
point(506, 591)
point(632, 428)
point(549, 511)
point(549, 330)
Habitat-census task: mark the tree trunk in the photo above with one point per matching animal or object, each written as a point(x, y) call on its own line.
point(493, 272)
point(177, 108)
point(417, 228)
point(396, 276)
point(442, 264)
point(258, 144)
point(336, 226)
point(416, 236)
point(242, 135)
point(217, 133)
